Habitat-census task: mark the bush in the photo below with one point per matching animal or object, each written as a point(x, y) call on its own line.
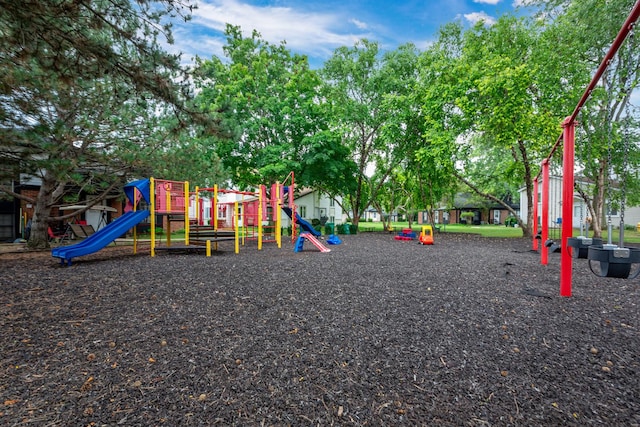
point(510, 221)
point(467, 217)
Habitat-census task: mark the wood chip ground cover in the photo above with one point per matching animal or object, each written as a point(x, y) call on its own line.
point(469, 331)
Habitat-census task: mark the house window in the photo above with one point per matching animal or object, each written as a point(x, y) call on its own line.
point(332, 202)
point(222, 211)
point(303, 211)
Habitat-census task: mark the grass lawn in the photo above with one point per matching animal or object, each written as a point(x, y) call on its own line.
point(630, 236)
point(484, 230)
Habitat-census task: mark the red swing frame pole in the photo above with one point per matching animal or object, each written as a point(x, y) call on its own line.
point(568, 156)
point(544, 236)
point(568, 133)
point(535, 243)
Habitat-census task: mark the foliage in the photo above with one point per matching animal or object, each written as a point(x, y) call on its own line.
point(83, 95)
point(269, 97)
point(368, 97)
point(606, 148)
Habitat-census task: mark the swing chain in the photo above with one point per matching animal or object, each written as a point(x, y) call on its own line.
point(626, 135)
point(609, 118)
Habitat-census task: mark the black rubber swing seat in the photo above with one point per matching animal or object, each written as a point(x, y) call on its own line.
point(552, 245)
point(614, 261)
point(580, 245)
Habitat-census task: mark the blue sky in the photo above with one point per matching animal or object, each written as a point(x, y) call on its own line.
point(317, 27)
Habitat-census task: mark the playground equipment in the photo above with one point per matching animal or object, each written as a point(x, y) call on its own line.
point(426, 235)
point(311, 238)
point(615, 261)
point(249, 214)
point(551, 243)
point(244, 217)
point(406, 234)
point(135, 191)
point(212, 215)
point(286, 197)
point(609, 260)
point(579, 246)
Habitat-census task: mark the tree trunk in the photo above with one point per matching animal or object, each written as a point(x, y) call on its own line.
point(526, 231)
point(39, 238)
point(598, 210)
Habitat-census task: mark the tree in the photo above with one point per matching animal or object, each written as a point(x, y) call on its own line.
point(444, 124)
point(491, 94)
point(270, 99)
point(84, 87)
point(364, 91)
point(586, 30)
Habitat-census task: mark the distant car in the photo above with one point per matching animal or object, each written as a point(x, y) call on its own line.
point(510, 221)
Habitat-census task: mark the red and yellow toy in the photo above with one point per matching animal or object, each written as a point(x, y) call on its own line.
point(426, 235)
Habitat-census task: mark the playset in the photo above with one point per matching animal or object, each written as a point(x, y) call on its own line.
point(227, 215)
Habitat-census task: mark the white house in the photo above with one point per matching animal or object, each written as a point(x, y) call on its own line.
point(313, 204)
point(580, 212)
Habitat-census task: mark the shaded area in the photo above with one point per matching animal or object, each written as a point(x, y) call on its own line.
point(469, 331)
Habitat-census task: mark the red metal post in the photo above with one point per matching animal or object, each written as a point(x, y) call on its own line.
point(544, 251)
point(534, 228)
point(568, 157)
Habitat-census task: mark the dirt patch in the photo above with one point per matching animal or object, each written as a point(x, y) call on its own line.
point(469, 331)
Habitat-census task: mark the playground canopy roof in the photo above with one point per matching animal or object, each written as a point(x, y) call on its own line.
point(93, 208)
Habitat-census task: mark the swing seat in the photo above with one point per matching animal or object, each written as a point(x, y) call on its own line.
point(579, 246)
point(552, 245)
point(613, 261)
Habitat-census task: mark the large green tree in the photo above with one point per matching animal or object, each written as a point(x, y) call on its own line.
point(82, 94)
point(490, 93)
point(437, 92)
point(606, 149)
point(269, 98)
point(366, 91)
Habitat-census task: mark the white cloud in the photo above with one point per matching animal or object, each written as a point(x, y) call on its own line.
point(312, 33)
point(359, 24)
point(190, 44)
point(476, 17)
point(493, 2)
point(521, 3)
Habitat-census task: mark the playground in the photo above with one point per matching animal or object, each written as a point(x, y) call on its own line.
point(467, 331)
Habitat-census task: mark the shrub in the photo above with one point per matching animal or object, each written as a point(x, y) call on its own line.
point(467, 217)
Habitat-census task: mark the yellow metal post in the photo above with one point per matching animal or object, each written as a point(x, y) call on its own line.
point(214, 208)
point(235, 208)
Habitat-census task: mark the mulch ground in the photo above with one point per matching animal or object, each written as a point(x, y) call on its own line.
point(378, 332)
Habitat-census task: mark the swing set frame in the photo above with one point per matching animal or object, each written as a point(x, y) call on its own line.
point(567, 139)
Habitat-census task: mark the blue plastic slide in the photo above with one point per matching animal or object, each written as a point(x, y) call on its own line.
point(304, 224)
point(100, 238)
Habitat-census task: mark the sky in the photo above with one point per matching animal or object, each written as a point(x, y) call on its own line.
point(316, 28)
